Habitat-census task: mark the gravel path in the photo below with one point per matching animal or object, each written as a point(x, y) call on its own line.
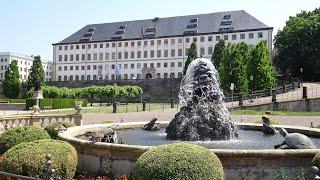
point(168, 115)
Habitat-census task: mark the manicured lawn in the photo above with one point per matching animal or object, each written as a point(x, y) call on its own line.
point(123, 108)
point(279, 113)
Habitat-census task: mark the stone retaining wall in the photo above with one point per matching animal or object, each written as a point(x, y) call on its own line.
point(296, 105)
point(13, 106)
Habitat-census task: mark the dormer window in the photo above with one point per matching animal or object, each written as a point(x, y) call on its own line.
point(84, 39)
point(226, 29)
point(90, 30)
point(228, 16)
point(190, 32)
point(225, 23)
point(193, 20)
point(156, 19)
point(192, 25)
point(117, 37)
point(149, 32)
point(87, 35)
point(122, 27)
point(119, 32)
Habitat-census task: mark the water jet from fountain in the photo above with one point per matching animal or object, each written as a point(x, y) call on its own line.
point(203, 115)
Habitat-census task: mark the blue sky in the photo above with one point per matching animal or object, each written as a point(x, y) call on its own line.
point(31, 26)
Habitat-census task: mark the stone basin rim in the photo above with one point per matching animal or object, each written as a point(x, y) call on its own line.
point(71, 132)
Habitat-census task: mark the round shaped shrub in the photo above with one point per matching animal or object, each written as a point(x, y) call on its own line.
point(178, 161)
point(28, 158)
point(18, 135)
point(52, 129)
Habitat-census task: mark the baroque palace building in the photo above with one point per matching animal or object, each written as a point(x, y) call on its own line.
point(152, 48)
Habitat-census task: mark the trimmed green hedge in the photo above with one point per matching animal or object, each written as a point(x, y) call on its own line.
point(55, 103)
point(28, 158)
point(17, 100)
point(18, 135)
point(52, 128)
point(178, 161)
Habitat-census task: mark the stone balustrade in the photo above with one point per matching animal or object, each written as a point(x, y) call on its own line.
point(7, 122)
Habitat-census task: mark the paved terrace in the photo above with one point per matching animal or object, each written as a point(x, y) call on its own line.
point(168, 115)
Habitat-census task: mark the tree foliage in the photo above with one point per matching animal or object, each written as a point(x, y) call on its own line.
point(233, 67)
point(298, 44)
point(35, 72)
point(12, 83)
point(217, 55)
point(260, 67)
point(240, 61)
point(192, 55)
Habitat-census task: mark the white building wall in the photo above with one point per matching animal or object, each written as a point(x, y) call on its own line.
point(65, 67)
point(24, 65)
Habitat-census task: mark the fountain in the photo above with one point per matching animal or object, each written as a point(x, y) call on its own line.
point(203, 115)
point(245, 152)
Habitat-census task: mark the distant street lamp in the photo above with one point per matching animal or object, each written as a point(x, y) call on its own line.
point(231, 89)
point(301, 71)
point(114, 105)
point(251, 80)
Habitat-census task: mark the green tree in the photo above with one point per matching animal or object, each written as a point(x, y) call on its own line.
point(90, 93)
point(217, 55)
point(35, 72)
point(192, 55)
point(12, 83)
point(297, 46)
point(233, 67)
point(260, 67)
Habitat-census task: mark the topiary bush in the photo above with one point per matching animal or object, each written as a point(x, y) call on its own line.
point(28, 158)
point(52, 128)
point(18, 135)
point(178, 161)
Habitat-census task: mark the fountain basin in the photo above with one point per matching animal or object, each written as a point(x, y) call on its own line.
point(105, 158)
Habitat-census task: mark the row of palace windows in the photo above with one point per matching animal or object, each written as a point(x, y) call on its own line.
point(21, 62)
point(24, 76)
point(152, 42)
point(133, 55)
point(119, 66)
point(4, 68)
point(119, 77)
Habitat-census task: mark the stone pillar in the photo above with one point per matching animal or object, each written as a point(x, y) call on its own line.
point(114, 107)
point(143, 106)
point(35, 121)
point(274, 95)
point(294, 86)
point(240, 99)
point(77, 119)
point(171, 101)
point(305, 92)
point(284, 88)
